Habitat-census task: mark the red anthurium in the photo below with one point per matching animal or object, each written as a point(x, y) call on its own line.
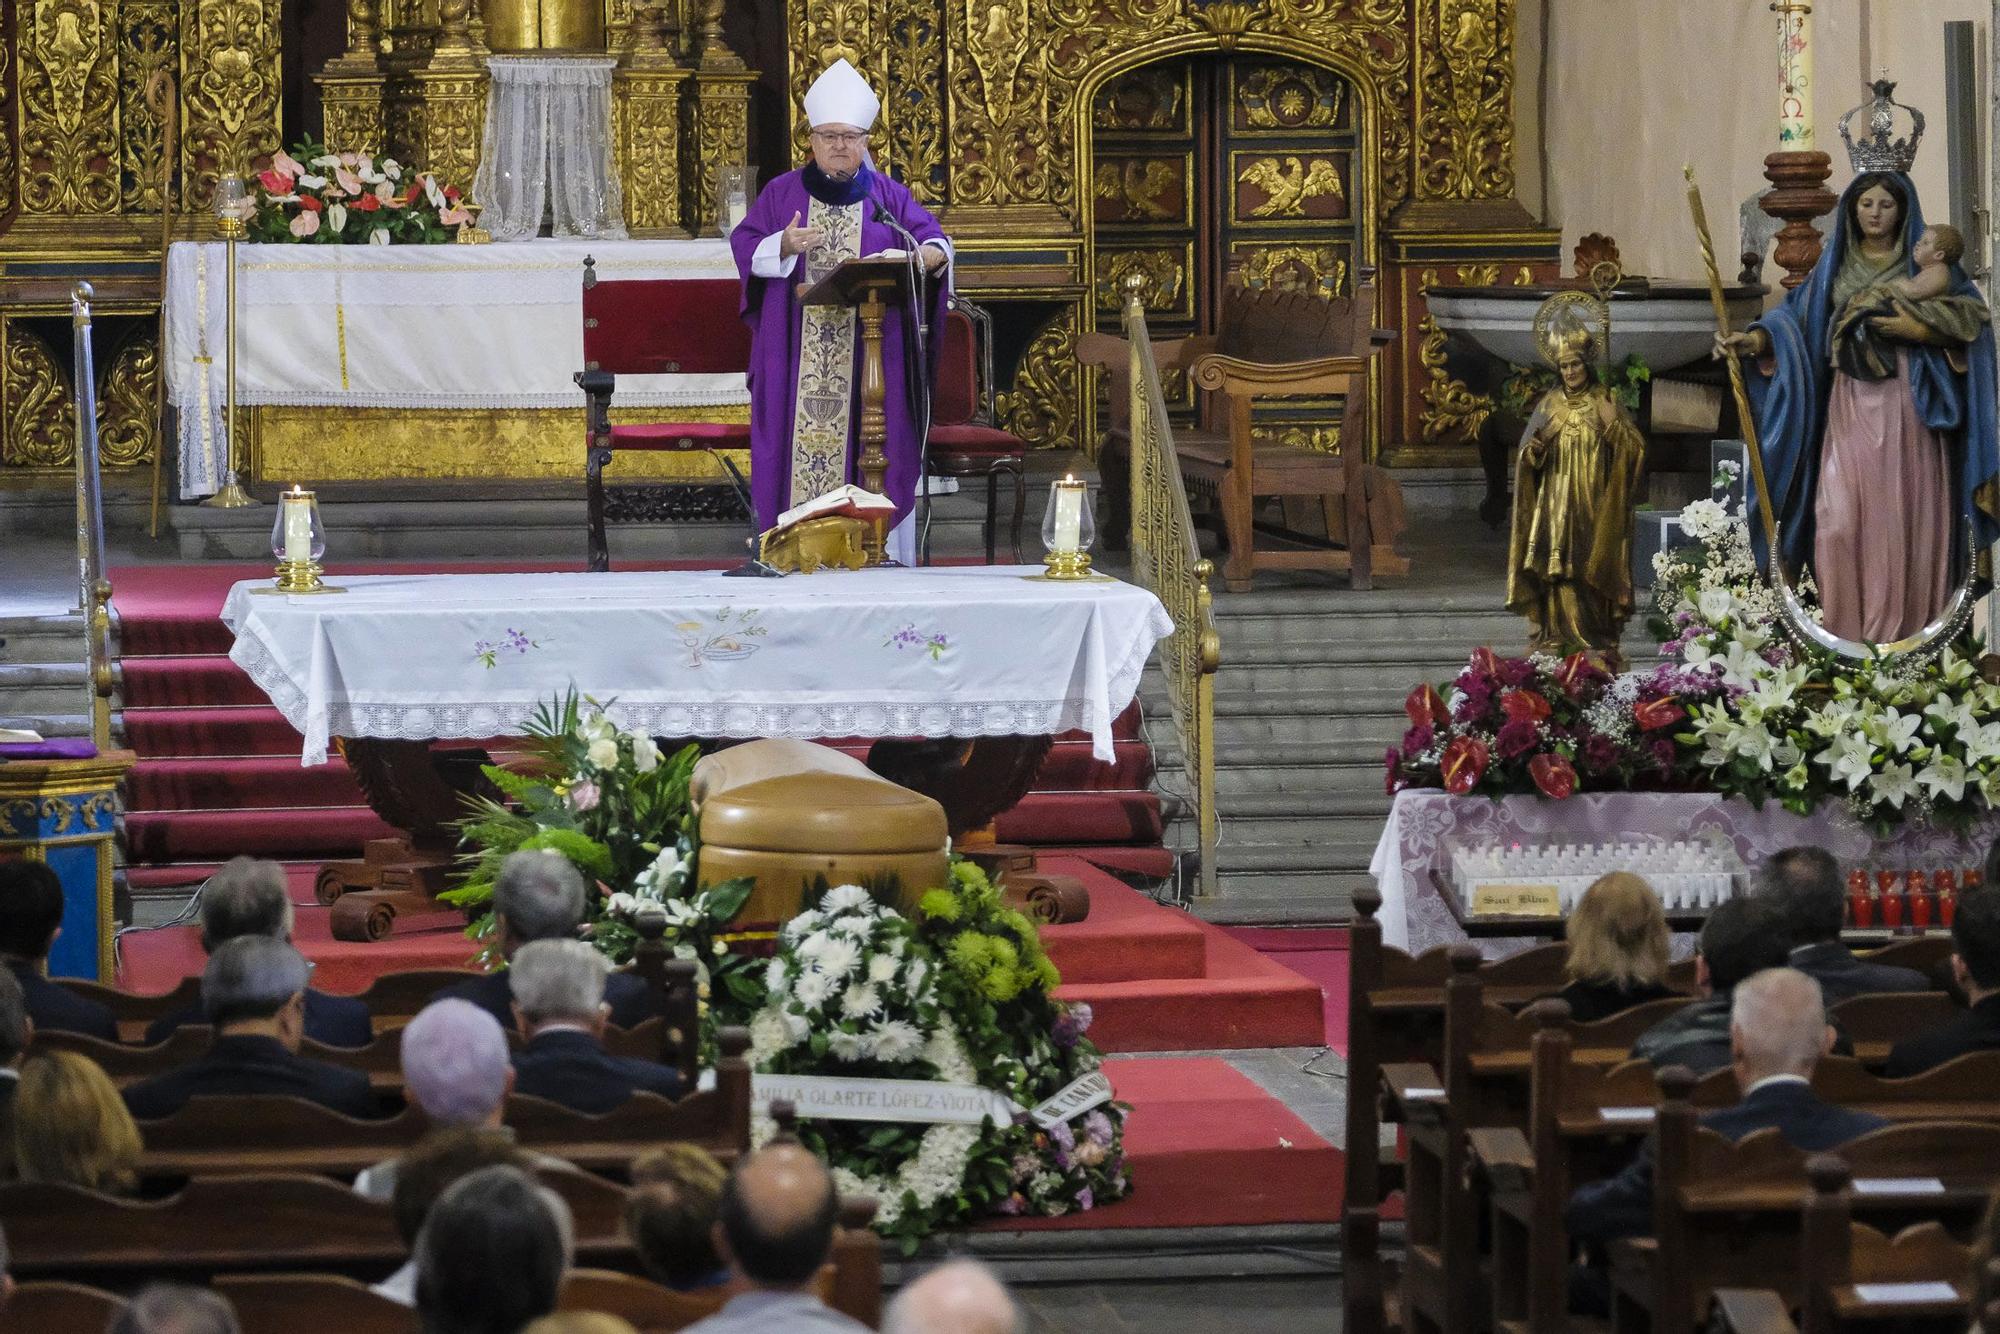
point(366, 203)
point(1426, 707)
point(309, 202)
point(1524, 706)
point(1463, 765)
point(1484, 662)
point(1553, 774)
point(1653, 714)
point(1578, 671)
point(276, 182)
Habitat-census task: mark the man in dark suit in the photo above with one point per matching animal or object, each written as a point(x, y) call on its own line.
point(559, 1005)
point(1975, 962)
point(31, 911)
point(1805, 887)
point(254, 993)
point(16, 1032)
point(1777, 1033)
point(1740, 938)
point(248, 898)
point(541, 896)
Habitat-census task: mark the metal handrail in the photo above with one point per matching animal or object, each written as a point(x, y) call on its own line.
point(1167, 560)
point(93, 588)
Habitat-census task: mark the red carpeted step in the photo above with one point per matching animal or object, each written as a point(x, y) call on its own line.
point(1071, 767)
point(209, 835)
point(1126, 938)
point(1209, 1148)
point(1154, 863)
point(1050, 819)
point(229, 784)
point(231, 731)
point(164, 682)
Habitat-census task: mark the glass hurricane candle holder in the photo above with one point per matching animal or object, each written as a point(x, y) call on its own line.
point(732, 196)
point(298, 541)
point(1068, 529)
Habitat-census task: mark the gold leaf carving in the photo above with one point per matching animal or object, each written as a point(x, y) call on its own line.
point(1465, 121)
point(1453, 414)
point(1042, 406)
point(1163, 275)
point(1293, 268)
point(1151, 97)
point(645, 113)
point(148, 43)
point(1291, 97)
point(35, 404)
point(1136, 186)
point(126, 432)
point(229, 91)
point(68, 143)
point(1289, 182)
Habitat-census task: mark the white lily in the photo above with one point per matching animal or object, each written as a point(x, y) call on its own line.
point(645, 753)
point(1895, 784)
point(1850, 759)
point(1945, 776)
point(1895, 732)
point(1715, 605)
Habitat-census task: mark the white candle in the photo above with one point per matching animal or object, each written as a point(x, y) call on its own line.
point(298, 524)
point(1795, 76)
point(1069, 514)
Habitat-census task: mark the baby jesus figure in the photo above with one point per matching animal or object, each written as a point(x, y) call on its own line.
point(1860, 347)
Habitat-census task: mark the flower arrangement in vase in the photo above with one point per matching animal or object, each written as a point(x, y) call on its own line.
point(323, 198)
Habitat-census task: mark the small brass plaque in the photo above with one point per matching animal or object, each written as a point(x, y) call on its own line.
point(1516, 901)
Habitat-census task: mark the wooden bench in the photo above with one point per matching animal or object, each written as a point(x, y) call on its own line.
point(393, 998)
point(46, 1306)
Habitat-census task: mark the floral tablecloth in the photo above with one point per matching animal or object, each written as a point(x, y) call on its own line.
point(968, 651)
point(1423, 822)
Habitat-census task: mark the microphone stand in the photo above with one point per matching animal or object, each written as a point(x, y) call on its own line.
point(753, 566)
point(916, 378)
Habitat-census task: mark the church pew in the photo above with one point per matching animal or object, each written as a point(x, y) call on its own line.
point(312, 1304)
point(212, 1136)
point(47, 1305)
point(380, 1059)
point(393, 998)
point(1582, 1121)
point(1731, 1215)
point(1838, 1258)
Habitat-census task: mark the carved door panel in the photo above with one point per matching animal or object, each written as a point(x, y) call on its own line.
point(1212, 164)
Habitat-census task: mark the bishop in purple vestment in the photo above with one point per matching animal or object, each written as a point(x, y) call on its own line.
point(802, 225)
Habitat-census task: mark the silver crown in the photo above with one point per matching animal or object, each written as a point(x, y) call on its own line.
point(1877, 151)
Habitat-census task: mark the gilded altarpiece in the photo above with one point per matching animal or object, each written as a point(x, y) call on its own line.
point(92, 95)
point(989, 114)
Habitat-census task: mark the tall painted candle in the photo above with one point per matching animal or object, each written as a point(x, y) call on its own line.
point(298, 524)
point(1795, 75)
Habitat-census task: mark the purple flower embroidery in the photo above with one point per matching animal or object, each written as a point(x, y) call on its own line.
point(936, 643)
point(488, 651)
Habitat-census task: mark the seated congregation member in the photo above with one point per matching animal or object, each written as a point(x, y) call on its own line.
point(1617, 956)
point(1975, 963)
point(457, 1069)
point(31, 910)
point(776, 1230)
point(437, 1162)
point(670, 1216)
point(1741, 937)
point(559, 1005)
point(957, 1297)
point(16, 1031)
point(248, 898)
point(541, 896)
point(254, 994)
point(493, 1254)
point(170, 1308)
point(1777, 1033)
point(579, 1322)
point(71, 1127)
point(1805, 886)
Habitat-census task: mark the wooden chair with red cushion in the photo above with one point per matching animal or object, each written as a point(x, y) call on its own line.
point(964, 442)
point(654, 326)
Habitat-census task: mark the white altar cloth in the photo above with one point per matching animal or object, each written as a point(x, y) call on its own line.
point(415, 326)
point(1422, 822)
point(958, 651)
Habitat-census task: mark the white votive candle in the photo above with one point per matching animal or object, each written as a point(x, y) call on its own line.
point(298, 524)
point(1069, 514)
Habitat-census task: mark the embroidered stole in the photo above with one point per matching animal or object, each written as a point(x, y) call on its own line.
point(826, 362)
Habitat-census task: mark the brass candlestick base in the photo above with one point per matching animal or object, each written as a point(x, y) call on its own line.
point(299, 576)
point(1066, 565)
point(232, 496)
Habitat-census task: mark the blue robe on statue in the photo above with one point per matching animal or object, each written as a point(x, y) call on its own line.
point(1790, 399)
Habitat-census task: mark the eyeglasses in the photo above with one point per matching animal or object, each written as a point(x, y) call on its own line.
point(839, 139)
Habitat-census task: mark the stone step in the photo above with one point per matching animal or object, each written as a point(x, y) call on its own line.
point(1297, 897)
point(41, 639)
point(1348, 854)
point(48, 724)
point(42, 688)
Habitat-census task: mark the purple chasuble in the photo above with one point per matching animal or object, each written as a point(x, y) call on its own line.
point(771, 308)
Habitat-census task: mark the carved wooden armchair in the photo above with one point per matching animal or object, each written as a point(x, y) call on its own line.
point(652, 327)
point(1272, 344)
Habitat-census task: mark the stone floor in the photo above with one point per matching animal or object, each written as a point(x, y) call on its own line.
point(1238, 1306)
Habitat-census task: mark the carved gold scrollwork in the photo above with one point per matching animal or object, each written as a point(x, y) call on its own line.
point(148, 43)
point(1162, 274)
point(645, 114)
point(1289, 183)
point(1291, 97)
point(35, 402)
point(1465, 125)
point(1453, 414)
point(913, 47)
point(69, 146)
point(229, 92)
point(1141, 190)
point(126, 427)
point(1152, 97)
point(1324, 438)
point(1042, 406)
point(6, 130)
point(1293, 268)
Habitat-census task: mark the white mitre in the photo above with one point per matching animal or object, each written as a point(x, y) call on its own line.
point(841, 97)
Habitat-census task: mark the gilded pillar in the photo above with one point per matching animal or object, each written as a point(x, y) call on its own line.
point(437, 107)
point(645, 109)
point(716, 120)
point(352, 85)
point(229, 91)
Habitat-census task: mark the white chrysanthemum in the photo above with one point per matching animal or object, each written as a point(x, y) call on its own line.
point(846, 898)
point(775, 973)
point(814, 945)
point(769, 1035)
point(913, 975)
point(811, 989)
point(881, 968)
point(895, 947)
point(860, 1002)
point(839, 956)
point(897, 1040)
point(845, 1046)
point(797, 1026)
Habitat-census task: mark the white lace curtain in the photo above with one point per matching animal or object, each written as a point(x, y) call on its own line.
point(547, 151)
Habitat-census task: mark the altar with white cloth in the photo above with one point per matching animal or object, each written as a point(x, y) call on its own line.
point(1424, 823)
point(938, 652)
point(443, 361)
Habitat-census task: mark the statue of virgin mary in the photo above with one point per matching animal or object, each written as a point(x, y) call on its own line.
point(1877, 483)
